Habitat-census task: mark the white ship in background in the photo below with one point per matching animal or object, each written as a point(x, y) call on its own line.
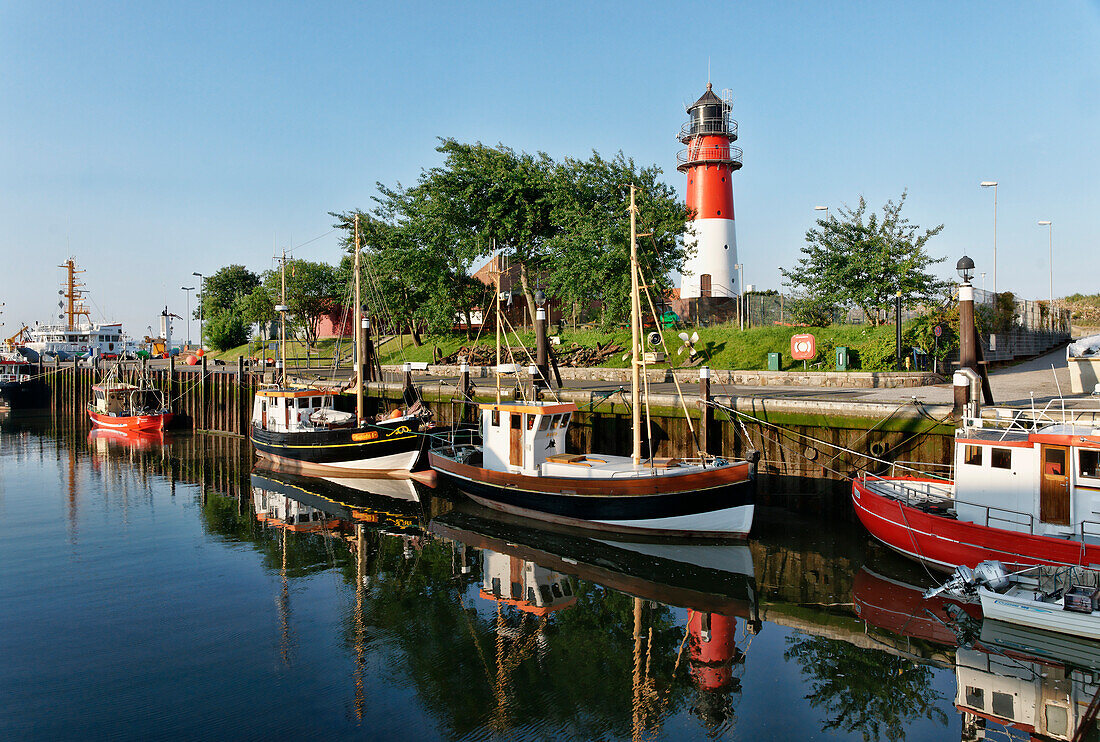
point(78, 336)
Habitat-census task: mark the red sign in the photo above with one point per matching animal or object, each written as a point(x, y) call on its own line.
point(803, 347)
point(937, 330)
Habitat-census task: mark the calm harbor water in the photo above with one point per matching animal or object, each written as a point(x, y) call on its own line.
point(164, 590)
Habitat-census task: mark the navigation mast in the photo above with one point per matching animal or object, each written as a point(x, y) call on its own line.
point(635, 334)
point(360, 344)
point(73, 291)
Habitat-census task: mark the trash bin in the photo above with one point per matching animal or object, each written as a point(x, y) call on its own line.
point(774, 361)
point(842, 358)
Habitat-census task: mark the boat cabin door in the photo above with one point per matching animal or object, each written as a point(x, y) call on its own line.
point(1054, 486)
point(515, 443)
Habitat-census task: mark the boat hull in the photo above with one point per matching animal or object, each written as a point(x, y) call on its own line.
point(130, 422)
point(395, 450)
point(1022, 611)
point(945, 543)
point(717, 503)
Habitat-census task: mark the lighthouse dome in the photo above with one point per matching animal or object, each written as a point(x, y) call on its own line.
point(709, 114)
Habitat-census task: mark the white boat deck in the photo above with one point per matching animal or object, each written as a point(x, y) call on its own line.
point(601, 466)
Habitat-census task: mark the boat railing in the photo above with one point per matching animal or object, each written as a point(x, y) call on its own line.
point(1030, 419)
point(940, 471)
point(1018, 519)
point(1089, 529)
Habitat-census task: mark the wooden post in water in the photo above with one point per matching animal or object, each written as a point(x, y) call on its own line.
point(170, 381)
point(706, 413)
point(202, 422)
point(464, 388)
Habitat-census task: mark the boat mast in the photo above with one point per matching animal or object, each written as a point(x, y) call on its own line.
point(497, 322)
point(282, 317)
point(635, 335)
point(360, 346)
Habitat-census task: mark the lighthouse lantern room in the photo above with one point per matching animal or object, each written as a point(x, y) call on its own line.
point(710, 160)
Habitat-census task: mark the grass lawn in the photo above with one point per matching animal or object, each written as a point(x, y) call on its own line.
point(722, 346)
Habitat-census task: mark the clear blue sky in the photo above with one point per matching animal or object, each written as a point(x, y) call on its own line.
point(152, 140)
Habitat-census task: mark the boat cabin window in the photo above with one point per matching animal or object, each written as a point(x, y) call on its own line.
point(1057, 719)
point(563, 420)
point(496, 418)
point(975, 698)
point(1055, 462)
point(973, 456)
point(1002, 705)
point(1090, 463)
point(546, 420)
point(530, 421)
point(545, 594)
point(1000, 458)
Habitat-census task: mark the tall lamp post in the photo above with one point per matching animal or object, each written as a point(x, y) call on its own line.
point(201, 296)
point(825, 209)
point(739, 267)
point(1050, 237)
point(993, 184)
point(188, 289)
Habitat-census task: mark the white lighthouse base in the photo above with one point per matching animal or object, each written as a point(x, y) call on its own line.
point(715, 256)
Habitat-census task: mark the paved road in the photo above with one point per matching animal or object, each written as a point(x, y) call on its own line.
point(1014, 385)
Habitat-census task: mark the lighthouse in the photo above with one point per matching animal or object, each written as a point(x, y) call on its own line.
point(710, 160)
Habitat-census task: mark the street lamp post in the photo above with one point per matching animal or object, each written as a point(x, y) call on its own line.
point(993, 184)
point(201, 296)
point(739, 267)
point(1050, 238)
point(188, 289)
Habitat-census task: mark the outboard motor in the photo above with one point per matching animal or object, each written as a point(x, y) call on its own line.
point(961, 580)
point(992, 574)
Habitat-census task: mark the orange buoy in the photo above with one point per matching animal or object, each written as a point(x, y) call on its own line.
point(395, 414)
point(200, 352)
point(191, 360)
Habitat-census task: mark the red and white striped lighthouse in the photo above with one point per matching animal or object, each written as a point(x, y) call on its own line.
point(710, 161)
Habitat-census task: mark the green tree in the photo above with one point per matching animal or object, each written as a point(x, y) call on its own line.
point(588, 253)
point(258, 306)
point(225, 288)
point(864, 260)
point(311, 290)
point(865, 690)
point(225, 330)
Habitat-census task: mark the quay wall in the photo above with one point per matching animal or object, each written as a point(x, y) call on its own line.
point(804, 446)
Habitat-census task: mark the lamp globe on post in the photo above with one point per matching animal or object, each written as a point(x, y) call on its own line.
point(965, 267)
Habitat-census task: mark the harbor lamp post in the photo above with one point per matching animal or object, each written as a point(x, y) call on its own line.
point(201, 296)
point(993, 184)
point(188, 289)
point(1050, 237)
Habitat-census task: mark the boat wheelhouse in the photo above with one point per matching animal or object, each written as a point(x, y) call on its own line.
point(521, 467)
point(121, 406)
point(1026, 491)
point(301, 430)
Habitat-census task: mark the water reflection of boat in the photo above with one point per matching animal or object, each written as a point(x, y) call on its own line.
point(390, 504)
point(529, 566)
point(102, 438)
point(705, 577)
point(901, 608)
point(1041, 683)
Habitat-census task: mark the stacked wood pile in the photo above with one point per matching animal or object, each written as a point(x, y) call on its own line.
point(575, 355)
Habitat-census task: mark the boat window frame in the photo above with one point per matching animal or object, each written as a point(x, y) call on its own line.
point(975, 697)
point(529, 422)
point(1081, 472)
point(495, 419)
point(995, 452)
point(544, 423)
point(972, 455)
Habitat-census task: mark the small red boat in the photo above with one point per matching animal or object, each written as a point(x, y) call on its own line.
point(1026, 491)
point(120, 406)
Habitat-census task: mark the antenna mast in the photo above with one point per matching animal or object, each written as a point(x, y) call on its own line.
point(635, 334)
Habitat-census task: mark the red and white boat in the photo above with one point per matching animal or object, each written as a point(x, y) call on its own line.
point(1026, 491)
point(118, 405)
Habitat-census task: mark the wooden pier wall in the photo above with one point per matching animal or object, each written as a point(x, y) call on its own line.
point(803, 454)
